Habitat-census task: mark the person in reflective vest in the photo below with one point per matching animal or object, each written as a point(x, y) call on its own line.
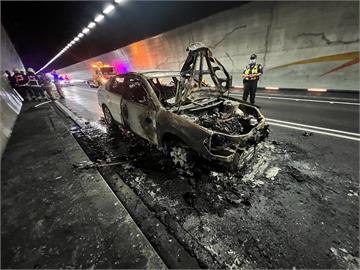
point(251, 75)
point(34, 84)
point(20, 81)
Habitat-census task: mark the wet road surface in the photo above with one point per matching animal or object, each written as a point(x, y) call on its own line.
point(296, 205)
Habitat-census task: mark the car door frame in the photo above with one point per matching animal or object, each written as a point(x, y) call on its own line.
point(114, 99)
point(142, 120)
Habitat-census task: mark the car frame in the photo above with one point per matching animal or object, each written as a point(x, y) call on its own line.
point(170, 128)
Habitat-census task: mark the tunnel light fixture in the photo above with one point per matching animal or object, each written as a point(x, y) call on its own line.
point(85, 30)
point(91, 25)
point(108, 9)
point(271, 88)
point(317, 89)
point(99, 18)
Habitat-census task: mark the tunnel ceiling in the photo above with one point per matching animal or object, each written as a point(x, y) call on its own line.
point(39, 30)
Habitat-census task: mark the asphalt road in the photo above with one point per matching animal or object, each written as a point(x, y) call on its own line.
point(334, 111)
point(305, 217)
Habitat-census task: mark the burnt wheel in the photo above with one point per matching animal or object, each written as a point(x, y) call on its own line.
point(108, 117)
point(180, 154)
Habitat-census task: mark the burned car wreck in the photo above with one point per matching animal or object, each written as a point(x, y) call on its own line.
point(188, 113)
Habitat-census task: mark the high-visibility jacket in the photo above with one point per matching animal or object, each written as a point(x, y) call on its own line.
point(20, 79)
point(253, 69)
point(33, 79)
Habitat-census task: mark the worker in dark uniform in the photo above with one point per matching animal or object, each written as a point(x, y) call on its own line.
point(20, 81)
point(34, 84)
point(10, 78)
point(251, 75)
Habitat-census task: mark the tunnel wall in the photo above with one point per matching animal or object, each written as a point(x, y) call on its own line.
point(300, 44)
point(10, 104)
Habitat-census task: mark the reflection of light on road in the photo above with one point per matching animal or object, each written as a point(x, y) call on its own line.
point(99, 126)
point(84, 102)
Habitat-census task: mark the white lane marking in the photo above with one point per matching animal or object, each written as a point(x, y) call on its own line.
point(315, 131)
point(303, 99)
point(312, 100)
point(314, 127)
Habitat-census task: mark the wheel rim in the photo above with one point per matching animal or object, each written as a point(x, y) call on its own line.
point(179, 156)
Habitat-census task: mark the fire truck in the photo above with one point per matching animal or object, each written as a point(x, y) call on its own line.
point(100, 74)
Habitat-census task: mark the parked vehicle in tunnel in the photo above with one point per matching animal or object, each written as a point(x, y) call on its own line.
point(184, 113)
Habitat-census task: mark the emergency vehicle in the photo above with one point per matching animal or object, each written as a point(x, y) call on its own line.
point(101, 73)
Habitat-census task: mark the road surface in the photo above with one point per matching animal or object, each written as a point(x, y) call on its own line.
point(295, 206)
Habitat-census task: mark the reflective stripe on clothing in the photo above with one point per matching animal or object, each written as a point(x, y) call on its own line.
point(252, 69)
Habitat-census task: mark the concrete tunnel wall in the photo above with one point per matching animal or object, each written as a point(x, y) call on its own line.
point(300, 44)
point(10, 104)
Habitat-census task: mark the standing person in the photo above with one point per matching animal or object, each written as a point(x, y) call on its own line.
point(34, 84)
point(20, 81)
point(48, 85)
point(57, 83)
point(251, 75)
point(10, 78)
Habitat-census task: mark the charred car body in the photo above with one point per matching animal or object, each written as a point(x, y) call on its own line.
point(186, 113)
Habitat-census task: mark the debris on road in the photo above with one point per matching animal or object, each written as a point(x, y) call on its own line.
point(89, 164)
point(226, 213)
point(306, 134)
point(272, 172)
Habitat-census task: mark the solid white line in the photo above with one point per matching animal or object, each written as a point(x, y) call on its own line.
point(303, 99)
point(316, 131)
point(315, 127)
point(311, 100)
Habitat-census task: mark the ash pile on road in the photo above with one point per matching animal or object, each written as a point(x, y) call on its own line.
point(281, 211)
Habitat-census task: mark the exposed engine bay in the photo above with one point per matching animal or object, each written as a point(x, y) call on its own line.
point(224, 116)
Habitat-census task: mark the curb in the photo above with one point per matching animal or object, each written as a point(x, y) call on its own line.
point(98, 184)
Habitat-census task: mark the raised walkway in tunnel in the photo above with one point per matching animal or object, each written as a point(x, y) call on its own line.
point(57, 215)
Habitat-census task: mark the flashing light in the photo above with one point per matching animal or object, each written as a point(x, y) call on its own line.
point(91, 25)
point(80, 35)
point(99, 18)
point(85, 30)
point(108, 9)
point(76, 39)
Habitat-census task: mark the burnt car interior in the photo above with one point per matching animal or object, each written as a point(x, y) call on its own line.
point(164, 88)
